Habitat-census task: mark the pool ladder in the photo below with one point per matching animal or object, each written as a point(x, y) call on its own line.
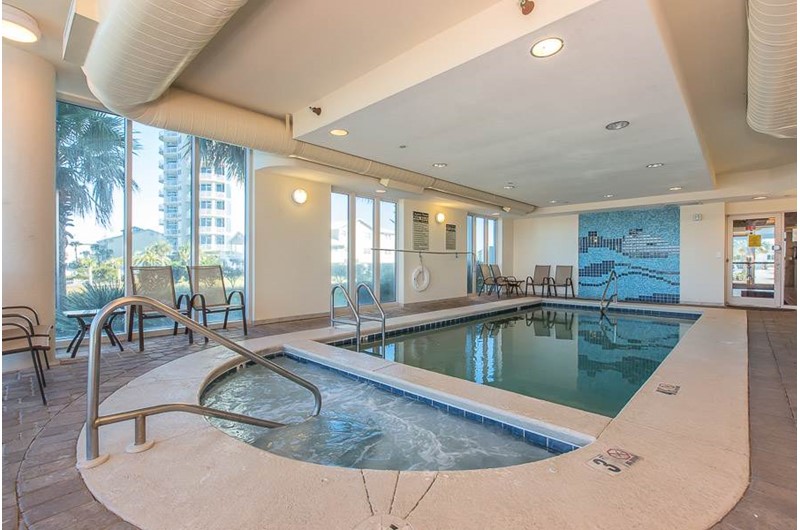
point(358, 316)
point(93, 419)
point(604, 303)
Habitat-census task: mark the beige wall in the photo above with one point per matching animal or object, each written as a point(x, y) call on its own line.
point(546, 241)
point(29, 245)
point(291, 248)
point(448, 273)
point(703, 254)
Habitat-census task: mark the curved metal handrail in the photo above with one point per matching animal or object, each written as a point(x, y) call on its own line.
point(615, 296)
point(356, 317)
point(382, 319)
point(93, 419)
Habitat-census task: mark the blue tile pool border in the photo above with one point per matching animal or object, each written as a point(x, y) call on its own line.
point(375, 337)
point(553, 445)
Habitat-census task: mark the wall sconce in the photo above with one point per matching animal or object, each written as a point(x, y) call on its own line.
point(300, 196)
point(440, 217)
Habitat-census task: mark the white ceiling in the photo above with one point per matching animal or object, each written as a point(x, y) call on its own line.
point(539, 123)
point(501, 116)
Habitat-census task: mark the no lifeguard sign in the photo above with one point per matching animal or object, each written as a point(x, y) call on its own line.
point(614, 461)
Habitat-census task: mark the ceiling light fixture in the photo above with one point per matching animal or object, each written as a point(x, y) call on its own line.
point(339, 132)
point(554, 202)
point(509, 186)
point(506, 209)
point(608, 196)
point(760, 198)
point(380, 191)
point(617, 125)
point(495, 214)
point(547, 47)
point(439, 164)
point(657, 164)
point(19, 26)
point(675, 188)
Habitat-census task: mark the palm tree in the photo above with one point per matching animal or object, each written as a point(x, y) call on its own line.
point(231, 158)
point(90, 168)
point(158, 254)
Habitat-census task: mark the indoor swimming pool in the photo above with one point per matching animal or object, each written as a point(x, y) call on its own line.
point(576, 358)
point(366, 425)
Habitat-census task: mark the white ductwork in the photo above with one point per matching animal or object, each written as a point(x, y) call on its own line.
point(772, 67)
point(141, 47)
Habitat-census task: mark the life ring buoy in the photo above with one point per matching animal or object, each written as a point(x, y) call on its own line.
point(420, 278)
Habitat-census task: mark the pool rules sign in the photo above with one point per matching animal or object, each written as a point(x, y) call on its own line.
point(421, 230)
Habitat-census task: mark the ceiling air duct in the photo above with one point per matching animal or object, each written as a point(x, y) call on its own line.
point(139, 49)
point(772, 67)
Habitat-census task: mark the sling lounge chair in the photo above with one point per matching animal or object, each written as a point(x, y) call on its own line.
point(541, 277)
point(159, 284)
point(563, 279)
point(210, 296)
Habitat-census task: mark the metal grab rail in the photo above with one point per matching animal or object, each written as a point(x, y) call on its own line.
point(615, 296)
point(93, 419)
point(382, 318)
point(356, 317)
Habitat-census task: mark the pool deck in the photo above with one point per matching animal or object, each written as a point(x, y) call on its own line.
point(677, 457)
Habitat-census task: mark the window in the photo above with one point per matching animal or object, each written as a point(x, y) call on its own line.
point(353, 241)
point(90, 188)
point(162, 226)
point(482, 234)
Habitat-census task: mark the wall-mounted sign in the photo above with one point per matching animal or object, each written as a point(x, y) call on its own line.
point(421, 230)
point(450, 237)
point(754, 240)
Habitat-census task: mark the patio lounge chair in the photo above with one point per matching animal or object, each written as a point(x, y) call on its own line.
point(210, 296)
point(30, 318)
point(509, 283)
point(18, 337)
point(541, 277)
point(485, 279)
point(159, 284)
point(563, 279)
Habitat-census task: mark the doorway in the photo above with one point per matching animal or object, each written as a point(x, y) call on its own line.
point(755, 258)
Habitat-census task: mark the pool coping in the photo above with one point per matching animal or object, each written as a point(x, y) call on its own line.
point(692, 447)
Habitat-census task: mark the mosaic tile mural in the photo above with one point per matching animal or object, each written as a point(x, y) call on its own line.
point(642, 245)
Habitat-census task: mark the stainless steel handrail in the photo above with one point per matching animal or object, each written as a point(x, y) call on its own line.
point(382, 318)
point(93, 419)
point(356, 317)
point(615, 296)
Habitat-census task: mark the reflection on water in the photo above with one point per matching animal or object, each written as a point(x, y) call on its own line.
point(578, 359)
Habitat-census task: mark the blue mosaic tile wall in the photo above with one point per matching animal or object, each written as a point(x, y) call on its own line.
point(642, 245)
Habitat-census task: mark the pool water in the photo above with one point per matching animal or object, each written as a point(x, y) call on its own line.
point(360, 426)
point(574, 358)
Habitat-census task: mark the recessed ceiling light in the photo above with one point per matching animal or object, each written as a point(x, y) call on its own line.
point(657, 164)
point(760, 198)
point(339, 132)
point(496, 214)
point(675, 188)
point(439, 164)
point(509, 186)
point(617, 125)
point(547, 47)
point(553, 202)
point(19, 26)
point(608, 196)
point(380, 191)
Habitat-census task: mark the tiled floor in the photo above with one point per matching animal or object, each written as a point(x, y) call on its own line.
point(42, 488)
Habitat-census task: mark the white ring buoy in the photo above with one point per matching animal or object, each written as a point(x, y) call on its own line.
point(420, 278)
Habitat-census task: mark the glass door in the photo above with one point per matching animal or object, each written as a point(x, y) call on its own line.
point(754, 260)
point(790, 259)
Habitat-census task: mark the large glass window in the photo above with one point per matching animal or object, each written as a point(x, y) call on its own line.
point(482, 236)
point(90, 184)
point(388, 260)
point(353, 239)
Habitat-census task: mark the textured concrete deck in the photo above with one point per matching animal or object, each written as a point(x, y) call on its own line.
point(41, 484)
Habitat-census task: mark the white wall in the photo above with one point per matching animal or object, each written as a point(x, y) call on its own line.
point(448, 273)
point(765, 206)
point(291, 248)
point(29, 244)
point(506, 250)
point(546, 241)
point(703, 254)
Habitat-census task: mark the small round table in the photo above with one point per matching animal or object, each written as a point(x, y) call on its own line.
point(82, 315)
